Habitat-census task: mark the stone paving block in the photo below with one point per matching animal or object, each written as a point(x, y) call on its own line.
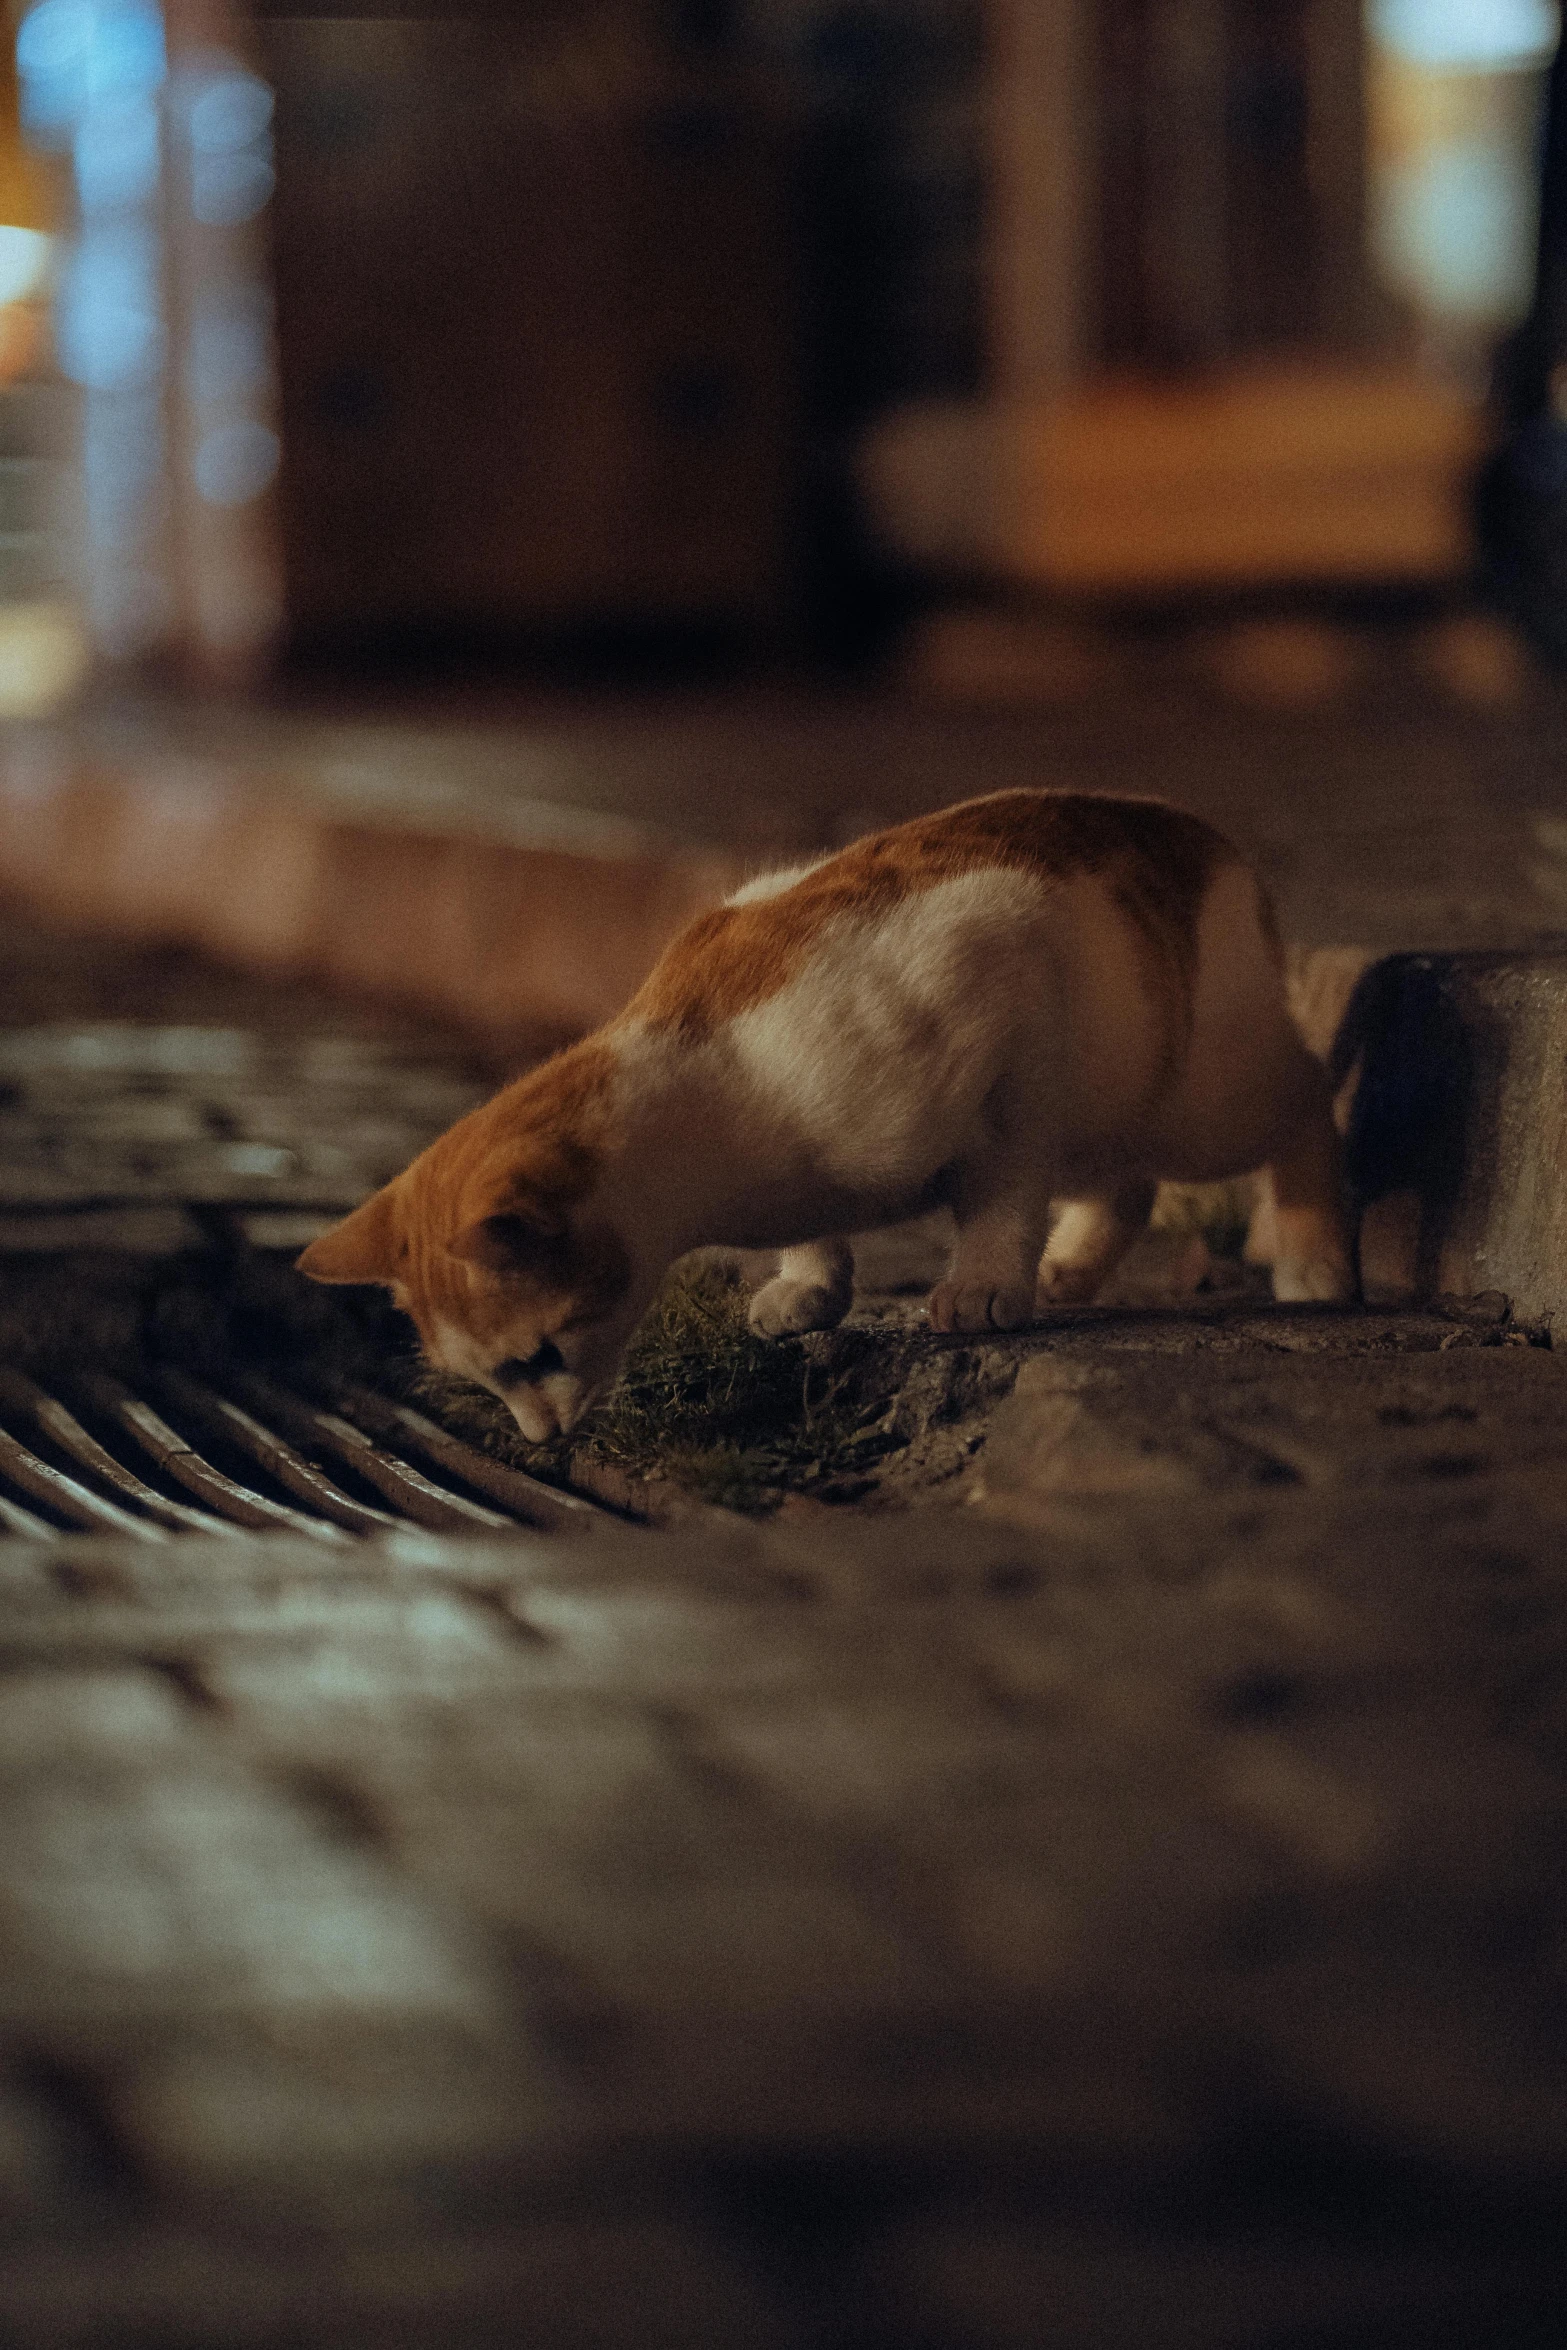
point(121, 1715)
point(719, 1556)
point(1006, 2283)
point(486, 1794)
point(760, 1946)
point(322, 1616)
point(573, 1763)
point(1087, 1422)
point(136, 1232)
point(589, 2282)
point(914, 1561)
point(25, 1577)
point(1210, 1631)
point(315, 1641)
point(50, 2168)
point(667, 1643)
point(252, 885)
point(190, 1899)
point(343, 2126)
point(877, 1758)
point(126, 1111)
point(143, 1873)
point(1390, 1983)
point(1016, 1921)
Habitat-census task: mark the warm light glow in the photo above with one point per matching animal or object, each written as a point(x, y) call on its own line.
point(43, 658)
point(228, 116)
point(233, 111)
point(92, 73)
point(1485, 36)
point(109, 320)
point(73, 53)
point(22, 339)
point(236, 462)
point(24, 263)
point(1456, 234)
point(117, 153)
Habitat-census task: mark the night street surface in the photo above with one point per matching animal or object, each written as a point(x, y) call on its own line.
point(1117, 1900)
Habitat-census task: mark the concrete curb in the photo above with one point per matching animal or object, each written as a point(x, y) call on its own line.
point(1457, 1124)
point(494, 931)
point(1452, 1076)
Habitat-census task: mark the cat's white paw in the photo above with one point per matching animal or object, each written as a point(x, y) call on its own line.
point(783, 1306)
point(962, 1305)
point(1068, 1285)
point(1313, 1281)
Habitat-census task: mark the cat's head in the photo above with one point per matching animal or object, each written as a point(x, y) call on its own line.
point(532, 1301)
point(515, 1273)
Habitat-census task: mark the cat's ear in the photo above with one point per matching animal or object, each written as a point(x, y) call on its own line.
point(518, 1240)
point(362, 1248)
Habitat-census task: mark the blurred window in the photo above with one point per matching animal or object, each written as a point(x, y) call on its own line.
point(1488, 34)
point(1456, 93)
point(162, 315)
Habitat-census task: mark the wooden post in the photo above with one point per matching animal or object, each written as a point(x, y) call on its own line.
point(1185, 225)
point(1336, 137)
point(1043, 192)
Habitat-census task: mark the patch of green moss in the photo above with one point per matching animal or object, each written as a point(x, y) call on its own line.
point(703, 1402)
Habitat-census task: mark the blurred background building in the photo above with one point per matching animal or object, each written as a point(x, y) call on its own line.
point(346, 331)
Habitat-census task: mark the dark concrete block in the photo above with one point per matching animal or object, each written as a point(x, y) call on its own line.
point(1457, 1125)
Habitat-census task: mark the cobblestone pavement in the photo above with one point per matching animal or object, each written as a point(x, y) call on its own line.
point(136, 1085)
point(1128, 1910)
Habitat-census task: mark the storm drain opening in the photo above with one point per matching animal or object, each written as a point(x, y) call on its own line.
point(173, 1454)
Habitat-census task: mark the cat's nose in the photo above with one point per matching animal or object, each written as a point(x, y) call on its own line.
point(534, 1414)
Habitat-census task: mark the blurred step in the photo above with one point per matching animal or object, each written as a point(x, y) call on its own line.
point(1239, 478)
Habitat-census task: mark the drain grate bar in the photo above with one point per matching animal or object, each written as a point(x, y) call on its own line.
point(16, 1520)
point(84, 1509)
point(322, 1460)
point(534, 1502)
point(172, 1454)
point(299, 1476)
point(414, 1495)
point(18, 1394)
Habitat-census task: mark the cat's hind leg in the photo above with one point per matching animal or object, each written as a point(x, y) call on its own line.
point(1002, 1214)
point(1090, 1238)
point(812, 1289)
point(1300, 1222)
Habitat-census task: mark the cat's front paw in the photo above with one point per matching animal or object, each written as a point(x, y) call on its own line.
point(964, 1305)
point(780, 1307)
point(1317, 1281)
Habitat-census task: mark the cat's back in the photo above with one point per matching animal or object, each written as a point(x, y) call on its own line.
point(921, 896)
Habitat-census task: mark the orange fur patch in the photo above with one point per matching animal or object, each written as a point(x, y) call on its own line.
point(364, 1247)
point(1157, 861)
point(537, 1143)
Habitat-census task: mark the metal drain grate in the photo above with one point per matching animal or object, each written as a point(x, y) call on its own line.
point(187, 1459)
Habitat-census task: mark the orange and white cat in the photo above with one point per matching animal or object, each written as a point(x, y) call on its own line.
point(1030, 998)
